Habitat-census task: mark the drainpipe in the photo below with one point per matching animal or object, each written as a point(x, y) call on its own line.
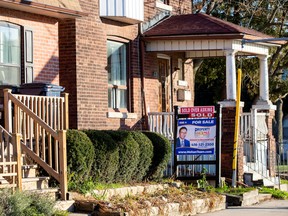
point(143, 108)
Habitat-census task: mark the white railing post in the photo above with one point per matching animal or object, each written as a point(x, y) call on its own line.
point(254, 133)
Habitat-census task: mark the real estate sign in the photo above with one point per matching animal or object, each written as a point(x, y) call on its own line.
point(201, 134)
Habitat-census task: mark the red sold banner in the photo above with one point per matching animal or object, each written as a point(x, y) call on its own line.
point(198, 111)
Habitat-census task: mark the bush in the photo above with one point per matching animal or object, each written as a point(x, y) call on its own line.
point(128, 155)
point(145, 155)
point(106, 158)
point(161, 155)
point(80, 156)
point(24, 203)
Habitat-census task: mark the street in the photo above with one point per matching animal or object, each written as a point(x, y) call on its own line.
point(268, 208)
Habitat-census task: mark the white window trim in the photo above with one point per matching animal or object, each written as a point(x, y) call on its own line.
point(163, 6)
point(122, 115)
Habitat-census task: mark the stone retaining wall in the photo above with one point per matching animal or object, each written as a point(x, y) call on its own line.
point(187, 208)
point(131, 191)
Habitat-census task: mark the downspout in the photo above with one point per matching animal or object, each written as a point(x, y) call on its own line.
point(143, 109)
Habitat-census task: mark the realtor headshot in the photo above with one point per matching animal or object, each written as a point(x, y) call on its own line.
point(181, 141)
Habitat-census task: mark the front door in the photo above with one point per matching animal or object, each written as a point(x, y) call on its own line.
point(163, 68)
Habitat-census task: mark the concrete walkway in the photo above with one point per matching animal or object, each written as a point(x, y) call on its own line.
point(267, 208)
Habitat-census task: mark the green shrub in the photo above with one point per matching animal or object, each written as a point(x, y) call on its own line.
point(80, 156)
point(106, 158)
point(128, 155)
point(276, 193)
point(24, 203)
point(146, 154)
point(161, 155)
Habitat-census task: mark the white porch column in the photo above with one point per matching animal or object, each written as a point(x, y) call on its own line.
point(230, 75)
point(264, 79)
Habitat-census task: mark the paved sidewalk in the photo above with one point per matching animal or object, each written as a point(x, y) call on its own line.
point(267, 208)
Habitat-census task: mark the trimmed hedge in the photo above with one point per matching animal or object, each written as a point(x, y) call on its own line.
point(128, 155)
point(80, 156)
point(162, 153)
point(106, 158)
point(146, 154)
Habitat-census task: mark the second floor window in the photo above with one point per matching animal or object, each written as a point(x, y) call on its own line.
point(117, 75)
point(165, 1)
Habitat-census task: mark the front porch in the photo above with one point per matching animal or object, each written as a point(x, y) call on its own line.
point(201, 36)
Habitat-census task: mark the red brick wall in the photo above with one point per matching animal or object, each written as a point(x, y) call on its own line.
point(45, 42)
point(178, 7)
point(85, 76)
point(271, 144)
point(67, 58)
point(227, 145)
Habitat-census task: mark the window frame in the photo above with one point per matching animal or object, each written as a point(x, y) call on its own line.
point(115, 87)
point(26, 55)
point(19, 65)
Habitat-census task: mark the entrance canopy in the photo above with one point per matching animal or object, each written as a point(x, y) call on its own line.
point(200, 36)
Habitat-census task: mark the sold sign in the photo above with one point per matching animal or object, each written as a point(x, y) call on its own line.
point(198, 111)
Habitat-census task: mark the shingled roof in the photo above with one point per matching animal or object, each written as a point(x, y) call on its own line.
point(200, 25)
point(54, 8)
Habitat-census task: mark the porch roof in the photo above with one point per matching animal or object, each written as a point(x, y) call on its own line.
point(193, 25)
point(201, 35)
point(53, 8)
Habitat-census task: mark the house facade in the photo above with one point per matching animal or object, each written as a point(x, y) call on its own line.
point(120, 60)
point(112, 81)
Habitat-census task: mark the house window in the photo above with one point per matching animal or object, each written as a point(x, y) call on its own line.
point(16, 54)
point(10, 54)
point(117, 75)
point(180, 69)
point(165, 1)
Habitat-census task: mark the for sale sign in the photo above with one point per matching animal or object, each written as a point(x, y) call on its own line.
point(198, 111)
point(196, 136)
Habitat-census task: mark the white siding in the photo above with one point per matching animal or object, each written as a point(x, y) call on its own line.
point(206, 48)
point(128, 11)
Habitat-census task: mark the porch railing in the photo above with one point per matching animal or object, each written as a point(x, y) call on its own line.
point(44, 142)
point(162, 122)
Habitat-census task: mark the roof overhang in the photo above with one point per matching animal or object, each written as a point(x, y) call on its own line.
point(42, 9)
point(194, 37)
point(207, 47)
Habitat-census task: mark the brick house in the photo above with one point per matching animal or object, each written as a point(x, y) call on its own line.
point(116, 64)
point(96, 102)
